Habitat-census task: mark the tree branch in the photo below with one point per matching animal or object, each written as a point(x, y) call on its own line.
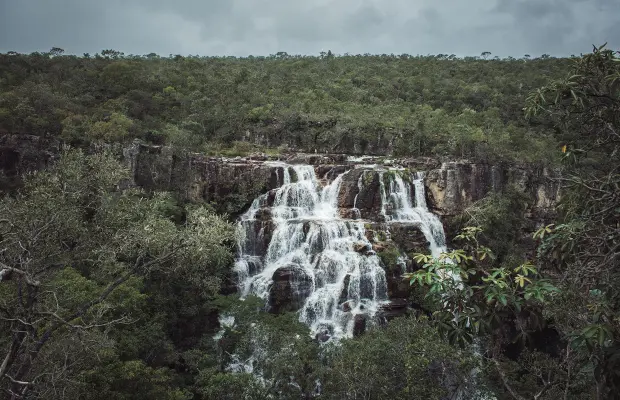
point(6, 271)
point(84, 309)
point(505, 381)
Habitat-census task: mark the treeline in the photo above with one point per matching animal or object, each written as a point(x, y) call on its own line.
point(408, 105)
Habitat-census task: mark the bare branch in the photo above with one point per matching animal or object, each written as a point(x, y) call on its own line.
point(6, 271)
point(18, 382)
point(505, 381)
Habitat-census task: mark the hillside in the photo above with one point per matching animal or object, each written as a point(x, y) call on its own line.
point(403, 105)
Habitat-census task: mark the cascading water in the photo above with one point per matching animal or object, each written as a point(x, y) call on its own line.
point(399, 198)
point(299, 228)
point(309, 237)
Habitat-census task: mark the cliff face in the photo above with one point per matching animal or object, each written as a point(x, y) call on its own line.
point(451, 187)
point(232, 184)
point(456, 185)
point(20, 154)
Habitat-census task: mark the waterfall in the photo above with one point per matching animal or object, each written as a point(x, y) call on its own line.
point(399, 199)
point(338, 285)
point(360, 186)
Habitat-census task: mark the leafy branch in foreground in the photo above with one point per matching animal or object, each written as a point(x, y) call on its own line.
point(584, 246)
point(474, 297)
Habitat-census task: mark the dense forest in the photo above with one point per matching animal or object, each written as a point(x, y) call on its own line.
point(411, 105)
point(113, 293)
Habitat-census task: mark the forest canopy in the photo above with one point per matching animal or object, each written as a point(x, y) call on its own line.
point(408, 105)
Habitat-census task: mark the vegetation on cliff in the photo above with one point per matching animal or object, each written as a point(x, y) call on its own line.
point(563, 306)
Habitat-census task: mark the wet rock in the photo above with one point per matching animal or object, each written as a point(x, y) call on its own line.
point(359, 324)
point(323, 336)
point(349, 213)
point(264, 214)
point(347, 306)
point(349, 189)
point(258, 157)
point(368, 199)
point(379, 247)
point(317, 159)
point(291, 287)
point(345, 289)
point(362, 247)
point(260, 233)
point(395, 308)
point(409, 238)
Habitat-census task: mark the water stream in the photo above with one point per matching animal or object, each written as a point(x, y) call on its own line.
point(311, 239)
point(398, 197)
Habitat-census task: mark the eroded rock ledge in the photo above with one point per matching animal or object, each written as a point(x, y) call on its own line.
point(231, 184)
point(234, 182)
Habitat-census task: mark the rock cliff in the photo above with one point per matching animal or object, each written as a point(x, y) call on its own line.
point(232, 184)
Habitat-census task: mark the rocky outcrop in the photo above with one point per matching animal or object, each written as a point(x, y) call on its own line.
point(291, 287)
point(20, 154)
point(229, 184)
point(408, 238)
point(360, 189)
point(458, 184)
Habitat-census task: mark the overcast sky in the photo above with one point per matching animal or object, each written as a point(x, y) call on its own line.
point(263, 27)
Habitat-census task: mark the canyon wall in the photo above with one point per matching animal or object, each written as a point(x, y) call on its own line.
point(231, 185)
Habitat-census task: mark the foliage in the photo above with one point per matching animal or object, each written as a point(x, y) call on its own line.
point(478, 298)
point(504, 305)
point(387, 362)
point(411, 105)
point(500, 216)
point(76, 253)
point(584, 246)
point(407, 359)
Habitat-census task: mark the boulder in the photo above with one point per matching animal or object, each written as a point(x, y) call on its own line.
point(395, 308)
point(409, 238)
point(367, 199)
point(290, 289)
point(362, 247)
point(359, 324)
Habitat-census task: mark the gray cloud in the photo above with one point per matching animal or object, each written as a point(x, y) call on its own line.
point(243, 27)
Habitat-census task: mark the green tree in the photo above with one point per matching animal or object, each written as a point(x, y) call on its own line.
point(71, 242)
point(406, 359)
point(585, 244)
point(474, 298)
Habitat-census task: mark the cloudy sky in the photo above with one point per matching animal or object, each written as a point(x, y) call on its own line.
point(262, 27)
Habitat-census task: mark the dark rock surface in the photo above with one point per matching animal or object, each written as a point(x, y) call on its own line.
point(291, 287)
point(20, 154)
